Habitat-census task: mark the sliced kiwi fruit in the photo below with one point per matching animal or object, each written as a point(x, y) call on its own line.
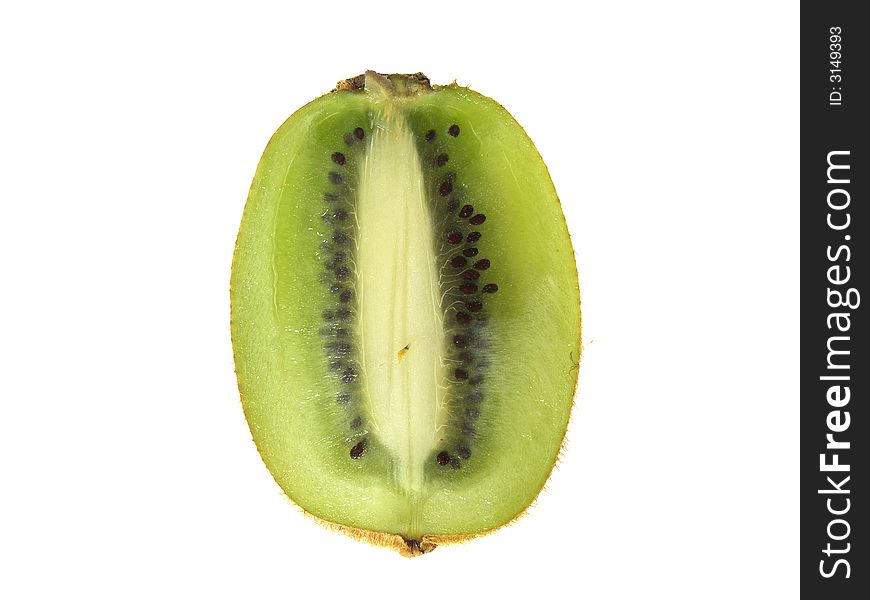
point(405, 312)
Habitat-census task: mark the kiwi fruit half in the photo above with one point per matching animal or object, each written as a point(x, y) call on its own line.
point(405, 312)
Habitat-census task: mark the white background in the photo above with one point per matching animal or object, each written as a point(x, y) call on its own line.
point(129, 135)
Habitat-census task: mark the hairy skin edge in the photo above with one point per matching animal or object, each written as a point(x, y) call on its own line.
point(406, 547)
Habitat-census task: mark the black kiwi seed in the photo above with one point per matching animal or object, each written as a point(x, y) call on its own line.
point(342, 273)
point(335, 177)
point(339, 257)
point(466, 211)
point(458, 262)
point(454, 130)
point(490, 288)
point(460, 341)
point(473, 305)
point(445, 188)
point(454, 237)
point(359, 133)
point(349, 375)
point(468, 288)
point(451, 206)
point(347, 295)
point(430, 135)
point(358, 450)
point(482, 264)
point(340, 237)
point(340, 214)
point(469, 252)
point(473, 236)
point(460, 374)
point(443, 458)
point(477, 219)
point(357, 421)
point(338, 158)
point(441, 160)
point(342, 349)
point(463, 452)
point(463, 318)
point(470, 275)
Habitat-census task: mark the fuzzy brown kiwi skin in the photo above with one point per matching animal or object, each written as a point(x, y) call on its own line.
point(412, 547)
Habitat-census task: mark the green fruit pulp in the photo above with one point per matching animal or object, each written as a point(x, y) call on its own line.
point(364, 419)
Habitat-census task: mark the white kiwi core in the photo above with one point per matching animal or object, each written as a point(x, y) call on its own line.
point(401, 331)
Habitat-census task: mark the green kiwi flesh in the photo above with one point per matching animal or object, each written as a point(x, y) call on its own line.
point(405, 311)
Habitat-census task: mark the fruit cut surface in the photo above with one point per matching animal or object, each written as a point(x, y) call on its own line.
point(405, 310)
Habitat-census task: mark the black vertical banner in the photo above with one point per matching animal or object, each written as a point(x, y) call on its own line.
point(834, 370)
